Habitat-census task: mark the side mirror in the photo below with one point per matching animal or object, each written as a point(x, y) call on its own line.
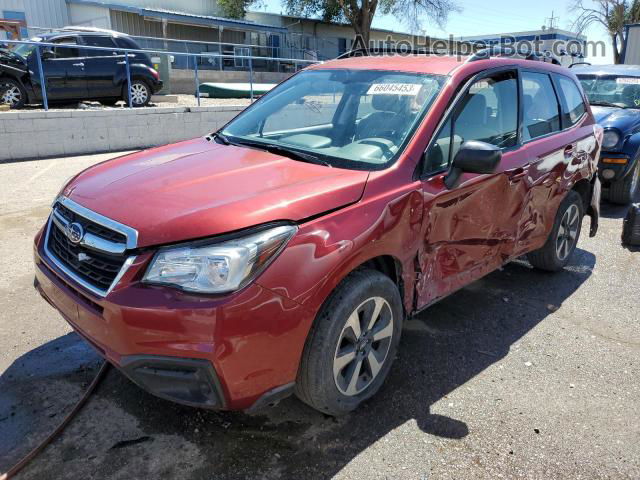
point(47, 54)
point(473, 157)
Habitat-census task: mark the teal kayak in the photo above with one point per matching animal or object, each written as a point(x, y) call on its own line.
point(234, 90)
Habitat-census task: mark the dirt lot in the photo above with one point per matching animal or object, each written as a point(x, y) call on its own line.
point(521, 375)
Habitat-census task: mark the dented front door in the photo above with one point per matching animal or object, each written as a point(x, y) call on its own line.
point(472, 229)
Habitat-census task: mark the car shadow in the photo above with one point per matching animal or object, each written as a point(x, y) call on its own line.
point(442, 348)
point(616, 212)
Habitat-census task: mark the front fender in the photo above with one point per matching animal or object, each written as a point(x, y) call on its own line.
point(327, 249)
point(632, 150)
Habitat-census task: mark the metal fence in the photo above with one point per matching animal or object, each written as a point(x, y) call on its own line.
point(249, 59)
point(283, 53)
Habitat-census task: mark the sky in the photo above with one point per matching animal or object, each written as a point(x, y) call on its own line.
point(497, 16)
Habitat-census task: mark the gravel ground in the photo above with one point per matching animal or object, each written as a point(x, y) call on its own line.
point(520, 375)
point(183, 101)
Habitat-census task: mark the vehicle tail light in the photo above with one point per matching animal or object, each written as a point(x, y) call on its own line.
point(155, 73)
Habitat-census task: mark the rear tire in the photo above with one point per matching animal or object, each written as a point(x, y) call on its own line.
point(352, 344)
point(12, 93)
point(623, 191)
point(563, 238)
point(140, 93)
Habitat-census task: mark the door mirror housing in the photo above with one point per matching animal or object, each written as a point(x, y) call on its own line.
point(473, 157)
point(47, 54)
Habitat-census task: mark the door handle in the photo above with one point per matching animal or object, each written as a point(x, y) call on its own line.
point(517, 173)
point(78, 64)
point(569, 151)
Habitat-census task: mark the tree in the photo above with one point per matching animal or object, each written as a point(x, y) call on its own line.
point(235, 8)
point(360, 13)
point(612, 15)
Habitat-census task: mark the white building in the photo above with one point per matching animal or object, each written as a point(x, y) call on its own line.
point(567, 46)
point(196, 20)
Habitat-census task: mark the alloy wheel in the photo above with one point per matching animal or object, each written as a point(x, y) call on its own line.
point(12, 95)
point(139, 94)
point(568, 232)
point(363, 346)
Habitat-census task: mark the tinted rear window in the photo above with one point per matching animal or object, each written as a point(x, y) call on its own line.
point(574, 102)
point(106, 42)
point(541, 112)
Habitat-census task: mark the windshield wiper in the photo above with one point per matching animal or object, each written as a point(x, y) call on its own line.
point(606, 104)
point(221, 138)
point(284, 151)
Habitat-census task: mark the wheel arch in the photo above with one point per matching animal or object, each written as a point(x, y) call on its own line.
point(387, 265)
point(584, 188)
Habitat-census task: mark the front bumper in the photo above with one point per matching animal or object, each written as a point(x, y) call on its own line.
point(227, 352)
point(610, 172)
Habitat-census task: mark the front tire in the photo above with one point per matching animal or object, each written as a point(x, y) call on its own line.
point(352, 344)
point(563, 238)
point(140, 94)
point(12, 93)
point(623, 191)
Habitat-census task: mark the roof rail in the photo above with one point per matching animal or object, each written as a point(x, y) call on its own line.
point(72, 28)
point(510, 52)
point(577, 64)
point(389, 50)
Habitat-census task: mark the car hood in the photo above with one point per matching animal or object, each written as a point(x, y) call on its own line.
point(620, 118)
point(199, 188)
point(8, 59)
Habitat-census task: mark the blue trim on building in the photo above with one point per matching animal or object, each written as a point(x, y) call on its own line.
point(204, 20)
point(520, 38)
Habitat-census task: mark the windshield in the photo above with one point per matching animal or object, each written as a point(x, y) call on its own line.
point(358, 119)
point(612, 90)
point(25, 50)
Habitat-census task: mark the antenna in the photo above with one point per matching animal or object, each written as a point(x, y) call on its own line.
point(553, 20)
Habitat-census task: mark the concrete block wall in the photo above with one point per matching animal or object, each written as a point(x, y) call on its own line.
point(33, 135)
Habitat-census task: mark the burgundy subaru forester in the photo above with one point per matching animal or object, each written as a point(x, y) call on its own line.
point(282, 253)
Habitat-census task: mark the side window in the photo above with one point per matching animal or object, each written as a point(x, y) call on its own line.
point(69, 50)
point(488, 112)
point(440, 151)
point(541, 112)
point(106, 42)
point(573, 101)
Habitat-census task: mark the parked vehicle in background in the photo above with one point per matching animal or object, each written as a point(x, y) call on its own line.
point(74, 73)
point(282, 253)
point(614, 95)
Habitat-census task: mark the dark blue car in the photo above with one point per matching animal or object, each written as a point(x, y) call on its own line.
point(614, 95)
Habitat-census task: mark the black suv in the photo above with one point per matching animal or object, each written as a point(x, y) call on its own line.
point(74, 73)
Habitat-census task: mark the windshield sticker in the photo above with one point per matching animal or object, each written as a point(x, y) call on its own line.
point(408, 89)
point(628, 81)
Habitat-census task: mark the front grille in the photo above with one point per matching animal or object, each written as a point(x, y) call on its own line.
point(89, 226)
point(97, 269)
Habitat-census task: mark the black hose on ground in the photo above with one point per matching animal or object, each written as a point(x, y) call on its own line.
point(78, 406)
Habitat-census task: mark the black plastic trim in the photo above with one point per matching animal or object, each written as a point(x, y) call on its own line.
point(272, 397)
point(187, 381)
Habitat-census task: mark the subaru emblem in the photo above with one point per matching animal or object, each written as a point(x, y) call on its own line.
point(75, 233)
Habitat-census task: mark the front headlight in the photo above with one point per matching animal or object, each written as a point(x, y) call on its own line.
point(611, 139)
point(218, 268)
